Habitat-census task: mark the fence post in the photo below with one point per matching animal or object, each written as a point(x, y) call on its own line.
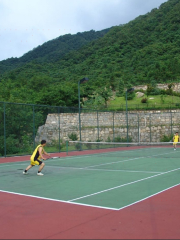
point(150, 129)
point(113, 126)
point(127, 126)
point(59, 129)
point(98, 124)
point(138, 130)
point(4, 129)
point(66, 147)
point(171, 124)
point(33, 127)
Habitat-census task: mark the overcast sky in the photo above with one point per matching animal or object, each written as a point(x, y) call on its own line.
point(25, 24)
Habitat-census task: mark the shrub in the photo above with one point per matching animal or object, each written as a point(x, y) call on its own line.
point(130, 95)
point(155, 91)
point(166, 138)
point(163, 92)
point(12, 144)
point(89, 145)
point(144, 100)
point(97, 145)
point(123, 140)
point(108, 139)
point(73, 136)
point(78, 146)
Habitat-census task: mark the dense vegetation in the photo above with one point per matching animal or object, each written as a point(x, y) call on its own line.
point(145, 50)
point(53, 50)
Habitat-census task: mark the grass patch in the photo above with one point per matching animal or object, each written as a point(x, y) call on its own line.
point(154, 102)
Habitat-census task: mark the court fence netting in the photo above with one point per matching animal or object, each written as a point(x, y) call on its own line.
point(23, 126)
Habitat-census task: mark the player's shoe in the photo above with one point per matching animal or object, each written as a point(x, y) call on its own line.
point(25, 173)
point(40, 174)
point(174, 149)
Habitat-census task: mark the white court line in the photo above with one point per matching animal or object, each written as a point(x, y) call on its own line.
point(126, 184)
point(81, 156)
point(119, 161)
point(103, 164)
point(87, 205)
point(143, 199)
point(56, 200)
point(132, 159)
point(104, 170)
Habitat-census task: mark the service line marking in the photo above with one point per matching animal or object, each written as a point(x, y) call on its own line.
point(123, 185)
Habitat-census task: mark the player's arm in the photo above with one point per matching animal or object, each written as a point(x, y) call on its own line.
point(41, 153)
point(46, 153)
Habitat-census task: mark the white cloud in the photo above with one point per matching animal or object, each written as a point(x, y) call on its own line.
point(25, 24)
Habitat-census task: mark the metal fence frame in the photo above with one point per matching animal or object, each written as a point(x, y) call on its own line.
point(58, 110)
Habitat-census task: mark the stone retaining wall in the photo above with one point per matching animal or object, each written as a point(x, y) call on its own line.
point(175, 88)
point(143, 126)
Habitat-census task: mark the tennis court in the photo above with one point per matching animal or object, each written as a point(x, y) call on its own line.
point(109, 178)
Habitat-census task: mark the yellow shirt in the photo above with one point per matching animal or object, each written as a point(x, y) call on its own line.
point(36, 155)
point(176, 138)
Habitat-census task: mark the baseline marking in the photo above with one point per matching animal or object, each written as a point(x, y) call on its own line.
point(149, 196)
point(86, 205)
point(56, 200)
point(123, 185)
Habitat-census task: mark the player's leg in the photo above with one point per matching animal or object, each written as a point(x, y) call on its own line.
point(41, 166)
point(27, 169)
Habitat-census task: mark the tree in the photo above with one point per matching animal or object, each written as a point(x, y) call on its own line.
point(105, 93)
point(130, 95)
point(150, 88)
point(120, 92)
point(59, 95)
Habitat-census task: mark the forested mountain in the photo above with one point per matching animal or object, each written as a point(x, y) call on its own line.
point(53, 50)
point(144, 50)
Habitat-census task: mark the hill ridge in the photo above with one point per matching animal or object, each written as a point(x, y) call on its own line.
point(142, 51)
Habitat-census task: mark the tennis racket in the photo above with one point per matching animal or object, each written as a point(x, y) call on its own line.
point(52, 158)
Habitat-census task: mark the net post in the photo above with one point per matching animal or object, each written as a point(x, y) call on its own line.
point(67, 148)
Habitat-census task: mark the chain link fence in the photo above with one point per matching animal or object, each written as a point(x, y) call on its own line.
point(23, 126)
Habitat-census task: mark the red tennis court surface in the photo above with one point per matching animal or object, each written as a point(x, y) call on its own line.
point(24, 217)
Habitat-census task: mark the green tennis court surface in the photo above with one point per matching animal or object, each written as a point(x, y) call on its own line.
point(109, 180)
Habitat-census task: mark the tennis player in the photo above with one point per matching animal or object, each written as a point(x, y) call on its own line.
point(35, 158)
point(175, 140)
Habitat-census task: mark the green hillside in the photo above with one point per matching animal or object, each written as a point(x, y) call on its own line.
point(145, 50)
point(53, 50)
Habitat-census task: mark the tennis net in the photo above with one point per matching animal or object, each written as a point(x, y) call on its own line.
point(114, 149)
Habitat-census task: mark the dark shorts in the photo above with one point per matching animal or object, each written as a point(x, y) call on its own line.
point(36, 162)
